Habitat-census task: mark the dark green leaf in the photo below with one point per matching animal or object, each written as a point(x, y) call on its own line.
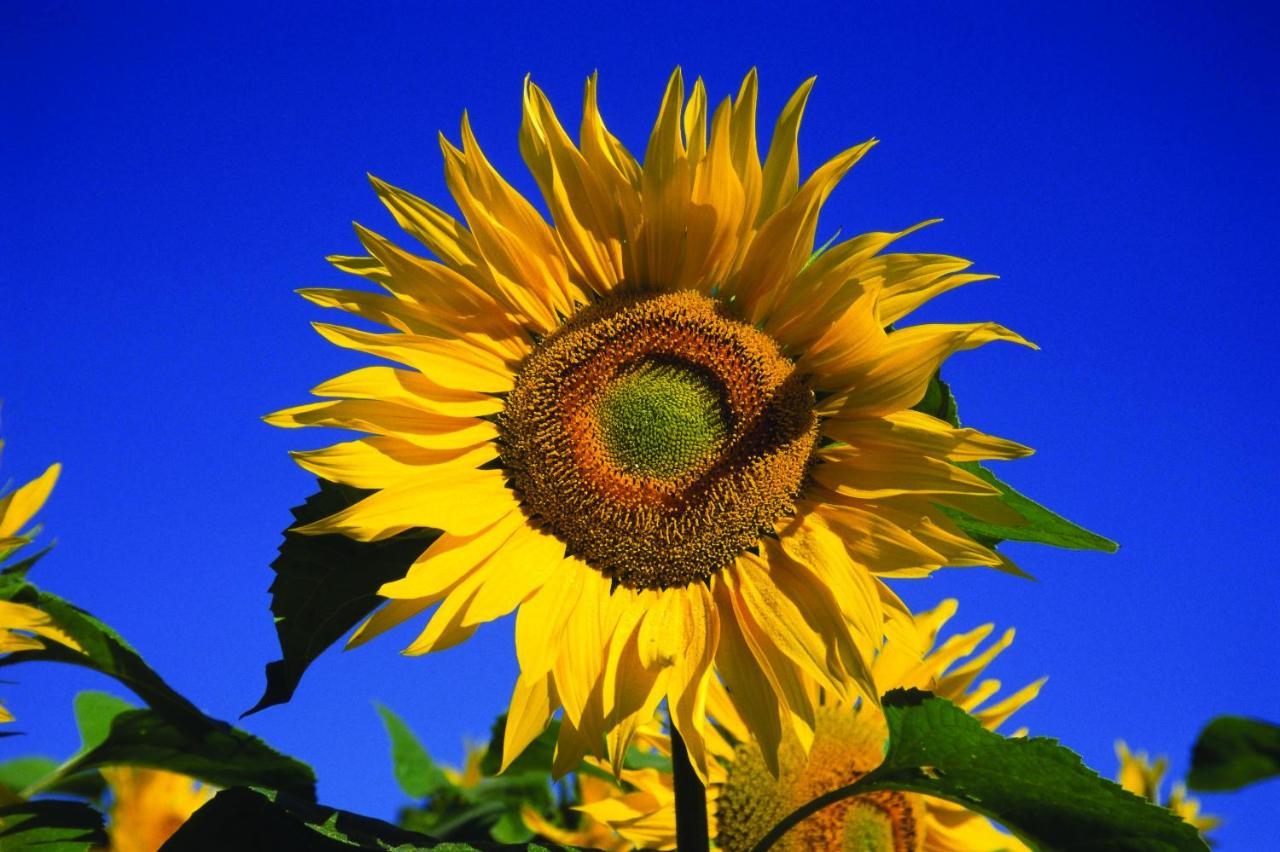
point(1232, 752)
point(1033, 786)
point(1042, 526)
point(116, 734)
point(536, 757)
point(326, 584)
point(103, 650)
point(938, 401)
point(416, 773)
point(262, 821)
point(50, 825)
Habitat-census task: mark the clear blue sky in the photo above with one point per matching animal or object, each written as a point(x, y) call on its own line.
point(174, 175)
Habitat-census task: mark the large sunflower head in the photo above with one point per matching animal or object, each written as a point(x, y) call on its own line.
point(747, 798)
point(659, 425)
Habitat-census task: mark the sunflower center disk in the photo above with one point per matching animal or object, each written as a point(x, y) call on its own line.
point(660, 421)
point(657, 437)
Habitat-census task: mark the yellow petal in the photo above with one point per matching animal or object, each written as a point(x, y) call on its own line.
point(517, 570)
point(781, 173)
point(913, 431)
point(875, 473)
point(459, 501)
point(381, 462)
point(16, 616)
point(541, 620)
point(450, 363)
point(408, 388)
point(898, 378)
point(452, 557)
point(20, 505)
point(532, 703)
point(746, 683)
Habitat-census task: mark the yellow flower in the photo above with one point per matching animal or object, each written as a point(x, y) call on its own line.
point(21, 627)
point(746, 799)
point(1142, 777)
point(663, 430)
point(149, 805)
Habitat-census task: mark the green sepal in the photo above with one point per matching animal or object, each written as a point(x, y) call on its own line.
point(326, 584)
point(1232, 752)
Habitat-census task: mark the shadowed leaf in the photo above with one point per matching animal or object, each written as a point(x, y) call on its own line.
point(326, 584)
point(50, 826)
point(1036, 788)
point(1232, 752)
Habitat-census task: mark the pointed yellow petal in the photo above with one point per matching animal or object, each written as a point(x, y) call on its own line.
point(451, 558)
point(381, 462)
point(781, 173)
point(460, 501)
point(541, 620)
point(450, 363)
point(532, 703)
point(746, 683)
point(915, 432)
point(898, 379)
point(20, 505)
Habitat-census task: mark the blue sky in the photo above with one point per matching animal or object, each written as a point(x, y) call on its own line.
point(175, 174)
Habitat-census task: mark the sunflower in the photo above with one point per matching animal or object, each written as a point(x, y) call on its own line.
point(149, 805)
point(747, 798)
point(25, 628)
point(662, 428)
point(1141, 776)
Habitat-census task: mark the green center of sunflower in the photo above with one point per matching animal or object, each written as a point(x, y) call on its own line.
point(661, 420)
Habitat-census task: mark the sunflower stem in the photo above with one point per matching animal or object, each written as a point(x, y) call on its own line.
point(692, 834)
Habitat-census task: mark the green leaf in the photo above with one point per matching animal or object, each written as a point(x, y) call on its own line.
point(102, 649)
point(1042, 526)
point(21, 772)
point(416, 773)
point(116, 734)
point(326, 584)
point(50, 825)
point(241, 818)
point(536, 758)
point(938, 401)
point(1232, 752)
point(1037, 789)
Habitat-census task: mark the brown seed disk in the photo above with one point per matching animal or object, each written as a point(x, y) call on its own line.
point(648, 531)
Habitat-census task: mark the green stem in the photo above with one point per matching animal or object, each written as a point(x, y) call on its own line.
point(692, 834)
point(808, 809)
